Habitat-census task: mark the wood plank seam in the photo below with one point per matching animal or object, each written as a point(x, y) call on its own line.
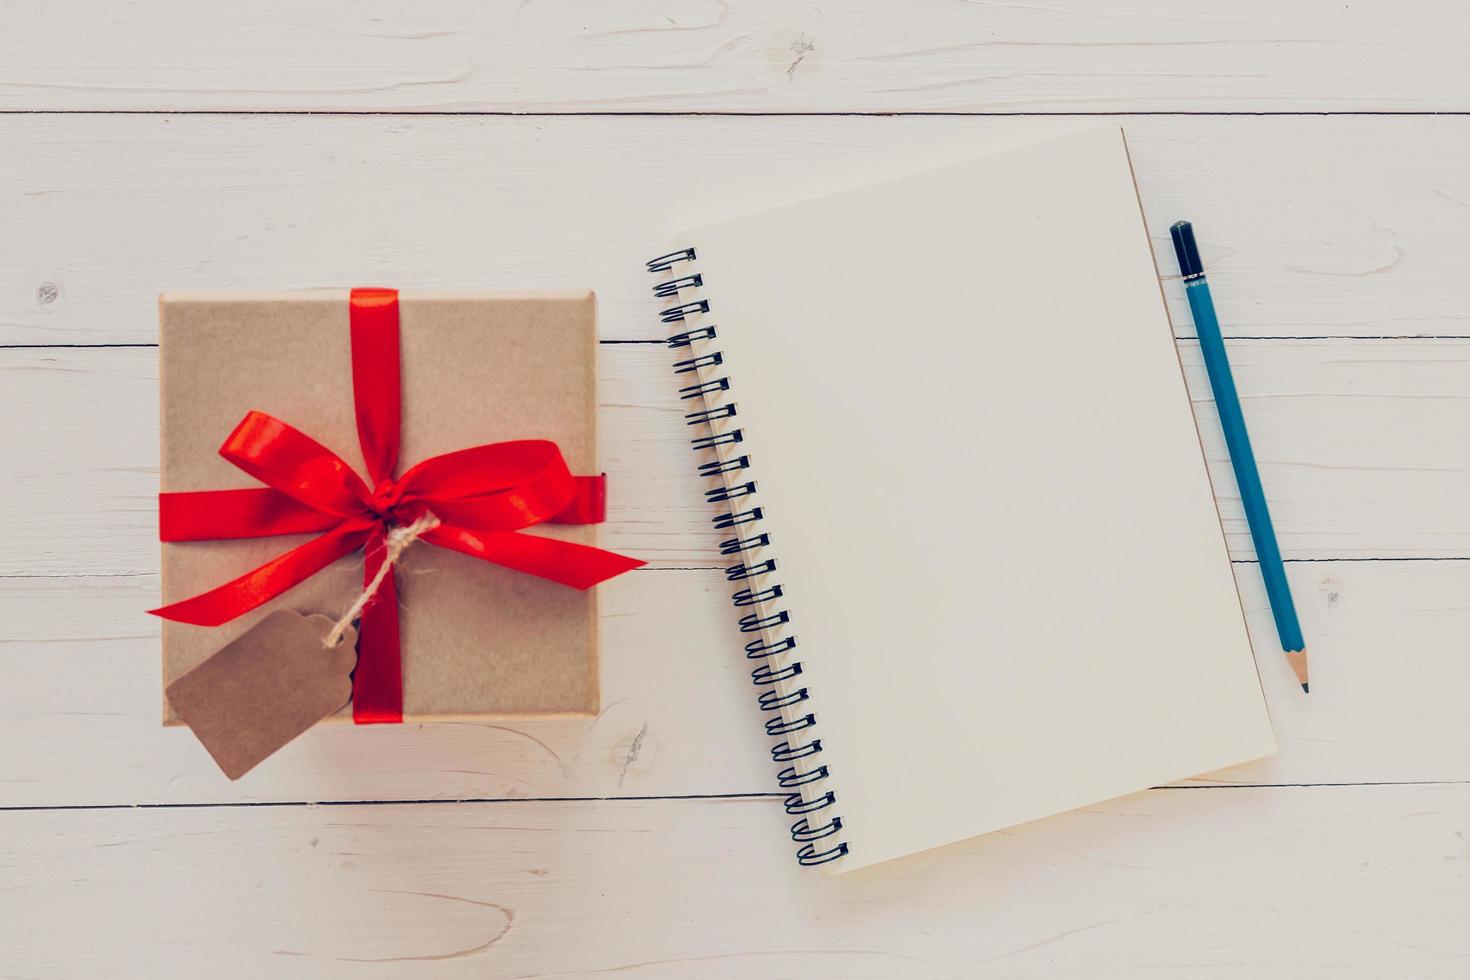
point(752, 114)
point(647, 798)
point(1182, 338)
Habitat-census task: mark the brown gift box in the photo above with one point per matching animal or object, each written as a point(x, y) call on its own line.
point(477, 640)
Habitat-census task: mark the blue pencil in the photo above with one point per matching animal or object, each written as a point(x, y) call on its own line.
point(1238, 441)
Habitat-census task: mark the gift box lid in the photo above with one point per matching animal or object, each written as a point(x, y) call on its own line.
point(477, 639)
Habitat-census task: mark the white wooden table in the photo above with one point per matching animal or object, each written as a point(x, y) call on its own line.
point(1321, 150)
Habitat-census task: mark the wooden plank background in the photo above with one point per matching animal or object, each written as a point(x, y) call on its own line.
point(757, 56)
point(1320, 149)
point(1324, 225)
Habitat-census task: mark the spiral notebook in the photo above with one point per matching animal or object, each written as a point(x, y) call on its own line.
point(978, 569)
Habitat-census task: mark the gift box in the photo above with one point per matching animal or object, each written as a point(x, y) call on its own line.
point(268, 398)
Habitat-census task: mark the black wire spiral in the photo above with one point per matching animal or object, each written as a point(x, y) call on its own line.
point(816, 847)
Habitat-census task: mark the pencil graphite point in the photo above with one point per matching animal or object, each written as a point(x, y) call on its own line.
point(1298, 661)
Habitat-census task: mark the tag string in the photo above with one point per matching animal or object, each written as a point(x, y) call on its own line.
point(395, 543)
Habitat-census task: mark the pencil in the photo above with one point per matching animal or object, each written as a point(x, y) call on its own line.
point(1238, 441)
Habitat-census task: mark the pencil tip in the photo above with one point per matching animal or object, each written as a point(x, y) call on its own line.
point(1298, 661)
point(1306, 689)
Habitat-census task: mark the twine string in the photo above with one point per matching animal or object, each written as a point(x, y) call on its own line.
point(394, 543)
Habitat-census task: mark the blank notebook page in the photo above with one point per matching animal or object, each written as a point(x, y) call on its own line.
point(989, 507)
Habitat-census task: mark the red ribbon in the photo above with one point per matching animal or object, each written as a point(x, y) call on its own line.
point(481, 497)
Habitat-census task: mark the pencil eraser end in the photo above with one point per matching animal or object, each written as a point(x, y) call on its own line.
point(1185, 249)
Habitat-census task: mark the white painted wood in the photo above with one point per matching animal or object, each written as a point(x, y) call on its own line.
point(1360, 882)
point(1310, 226)
point(78, 718)
point(1362, 446)
point(738, 55)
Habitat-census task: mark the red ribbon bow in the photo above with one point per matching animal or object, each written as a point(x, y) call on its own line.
point(481, 497)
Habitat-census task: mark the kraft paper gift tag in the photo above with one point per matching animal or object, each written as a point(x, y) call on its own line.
point(265, 687)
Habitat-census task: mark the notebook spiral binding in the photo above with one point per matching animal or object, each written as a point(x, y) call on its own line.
point(777, 678)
